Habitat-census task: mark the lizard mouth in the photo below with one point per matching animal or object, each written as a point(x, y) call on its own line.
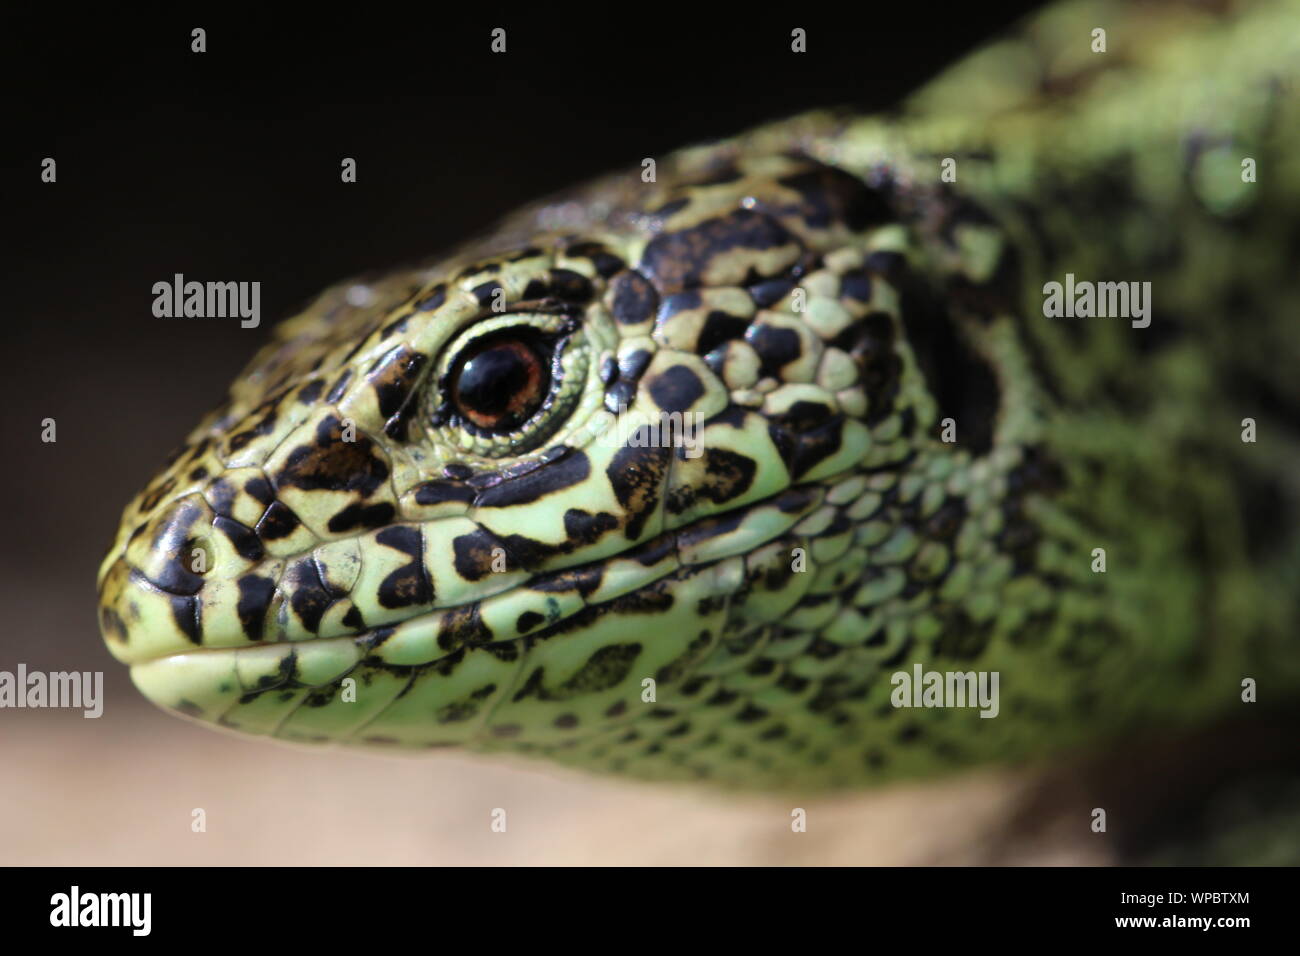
point(452, 676)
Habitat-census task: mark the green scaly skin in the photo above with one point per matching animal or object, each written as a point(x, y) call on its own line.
point(823, 300)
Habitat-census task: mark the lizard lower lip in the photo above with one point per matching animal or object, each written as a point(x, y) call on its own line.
point(206, 683)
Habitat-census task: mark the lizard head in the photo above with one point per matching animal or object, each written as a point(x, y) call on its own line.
point(628, 458)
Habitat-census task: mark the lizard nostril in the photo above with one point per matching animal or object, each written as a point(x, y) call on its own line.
point(199, 553)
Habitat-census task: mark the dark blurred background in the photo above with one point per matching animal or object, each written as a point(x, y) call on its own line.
point(225, 165)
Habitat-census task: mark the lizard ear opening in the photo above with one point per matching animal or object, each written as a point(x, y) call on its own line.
point(965, 387)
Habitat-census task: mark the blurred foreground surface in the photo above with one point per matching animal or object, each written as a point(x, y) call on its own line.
point(120, 791)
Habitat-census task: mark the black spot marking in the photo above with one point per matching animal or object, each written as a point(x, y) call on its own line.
point(463, 627)
point(856, 285)
point(632, 299)
point(154, 496)
point(833, 196)
point(870, 342)
point(187, 612)
point(308, 394)
point(676, 389)
point(794, 500)
point(173, 539)
point(260, 490)
point(726, 171)
point(264, 426)
point(678, 302)
point(472, 554)
point(570, 286)
point(362, 516)
point(331, 464)
point(278, 522)
point(478, 268)
point(221, 496)
point(671, 208)
point(527, 621)
point(394, 327)
point(813, 447)
point(733, 416)
point(1037, 473)
point(311, 595)
point(584, 580)
point(619, 396)
point(394, 378)
point(886, 263)
point(682, 259)
point(582, 527)
point(636, 474)
point(719, 327)
point(604, 261)
point(776, 347)
point(770, 291)
point(802, 416)
point(963, 638)
point(255, 595)
point(604, 670)
point(113, 625)
point(728, 475)
point(435, 492)
point(410, 584)
point(486, 292)
point(246, 543)
point(340, 386)
point(633, 365)
point(466, 708)
point(435, 297)
point(564, 472)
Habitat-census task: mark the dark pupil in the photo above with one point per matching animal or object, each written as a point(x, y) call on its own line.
point(500, 385)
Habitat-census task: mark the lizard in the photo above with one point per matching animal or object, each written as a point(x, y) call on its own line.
point(683, 474)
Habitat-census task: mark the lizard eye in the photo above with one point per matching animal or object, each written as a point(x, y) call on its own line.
point(508, 384)
point(500, 380)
